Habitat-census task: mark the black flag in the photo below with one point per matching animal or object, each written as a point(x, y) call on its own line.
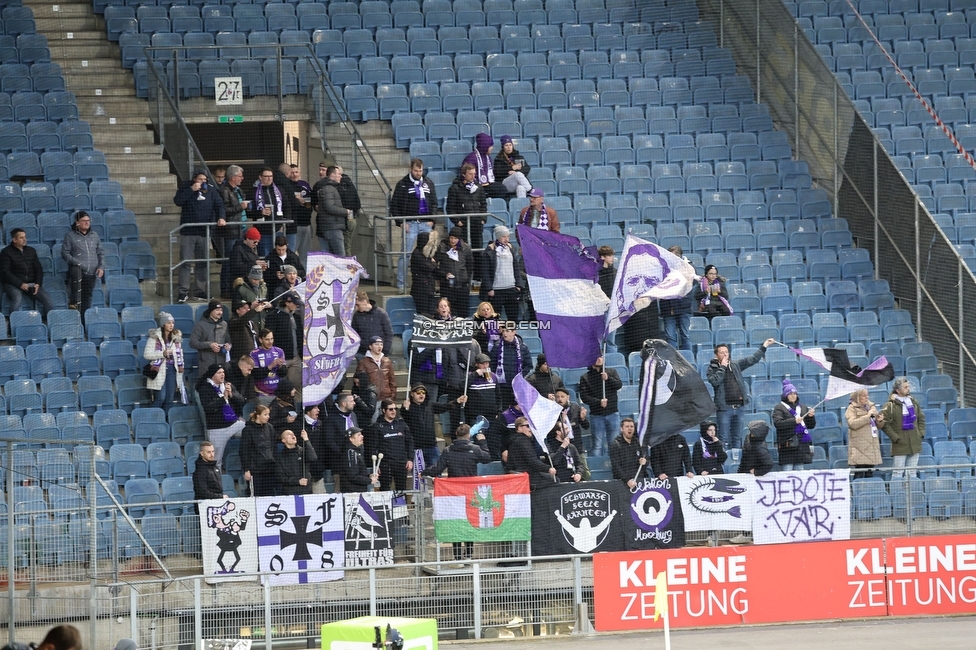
point(675, 400)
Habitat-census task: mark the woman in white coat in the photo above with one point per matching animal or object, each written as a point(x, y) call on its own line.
point(164, 351)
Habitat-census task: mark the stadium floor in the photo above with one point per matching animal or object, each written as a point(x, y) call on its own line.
point(891, 634)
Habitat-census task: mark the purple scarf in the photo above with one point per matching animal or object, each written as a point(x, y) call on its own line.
point(500, 371)
point(801, 429)
point(706, 289)
point(259, 203)
point(420, 190)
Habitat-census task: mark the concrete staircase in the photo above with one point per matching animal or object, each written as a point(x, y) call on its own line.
point(120, 124)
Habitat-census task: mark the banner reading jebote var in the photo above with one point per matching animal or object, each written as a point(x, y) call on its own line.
point(732, 585)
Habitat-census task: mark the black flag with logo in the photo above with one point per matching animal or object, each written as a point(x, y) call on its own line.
point(675, 399)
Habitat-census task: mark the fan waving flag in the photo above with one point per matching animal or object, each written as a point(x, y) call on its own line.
point(845, 378)
point(330, 341)
point(675, 400)
point(563, 279)
point(541, 412)
point(647, 272)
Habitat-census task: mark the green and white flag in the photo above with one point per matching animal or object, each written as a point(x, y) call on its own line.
point(482, 509)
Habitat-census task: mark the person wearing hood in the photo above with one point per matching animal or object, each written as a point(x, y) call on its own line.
point(793, 423)
point(210, 336)
point(467, 196)
point(708, 456)
point(537, 214)
point(164, 352)
point(511, 169)
point(755, 456)
point(332, 217)
point(284, 414)
point(503, 281)
point(414, 195)
point(379, 368)
point(222, 408)
point(544, 379)
point(82, 250)
point(455, 262)
point(355, 475)
point(203, 205)
point(423, 273)
point(369, 320)
point(481, 160)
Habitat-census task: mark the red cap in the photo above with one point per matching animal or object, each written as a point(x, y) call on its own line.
point(253, 234)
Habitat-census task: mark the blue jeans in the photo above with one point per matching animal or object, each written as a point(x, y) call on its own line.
point(332, 242)
point(604, 429)
point(165, 395)
point(792, 466)
point(15, 298)
point(730, 427)
point(675, 327)
point(416, 227)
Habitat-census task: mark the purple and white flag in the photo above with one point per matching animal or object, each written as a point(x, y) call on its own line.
point(647, 272)
point(845, 378)
point(541, 412)
point(330, 341)
point(564, 283)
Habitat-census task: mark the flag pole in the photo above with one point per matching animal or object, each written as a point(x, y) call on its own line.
point(603, 356)
point(467, 371)
point(650, 414)
point(409, 370)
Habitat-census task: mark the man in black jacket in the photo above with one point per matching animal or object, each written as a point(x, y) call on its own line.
point(21, 273)
point(731, 390)
point(369, 320)
point(293, 464)
point(524, 456)
point(391, 437)
point(289, 334)
point(671, 458)
point(355, 475)
point(207, 483)
point(462, 459)
point(332, 216)
point(413, 195)
point(339, 417)
point(627, 460)
point(418, 413)
point(598, 390)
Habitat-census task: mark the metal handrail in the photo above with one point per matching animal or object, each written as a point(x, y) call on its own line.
point(173, 239)
point(335, 97)
point(403, 254)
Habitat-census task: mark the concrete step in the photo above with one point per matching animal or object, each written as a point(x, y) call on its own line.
point(138, 140)
point(83, 50)
point(63, 24)
point(89, 33)
point(66, 10)
point(130, 165)
point(91, 66)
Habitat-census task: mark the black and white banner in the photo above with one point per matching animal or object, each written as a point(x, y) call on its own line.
point(656, 519)
point(301, 533)
point(718, 501)
point(369, 535)
point(228, 541)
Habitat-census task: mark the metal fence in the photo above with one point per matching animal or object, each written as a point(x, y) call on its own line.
point(109, 582)
point(926, 275)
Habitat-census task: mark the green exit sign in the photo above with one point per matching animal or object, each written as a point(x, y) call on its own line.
point(230, 119)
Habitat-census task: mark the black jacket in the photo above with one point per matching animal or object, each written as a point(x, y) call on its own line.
point(275, 263)
point(755, 456)
point(566, 460)
point(461, 268)
point(392, 439)
point(460, 200)
point(213, 405)
point(711, 465)
point(489, 264)
point(404, 202)
point(671, 457)
point(510, 360)
point(349, 195)
point(375, 322)
point(240, 259)
point(258, 443)
point(329, 446)
point(503, 164)
point(291, 465)
point(608, 274)
point(285, 326)
point(354, 471)
point(420, 420)
point(625, 457)
point(461, 458)
point(523, 457)
point(206, 480)
point(591, 390)
point(20, 266)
